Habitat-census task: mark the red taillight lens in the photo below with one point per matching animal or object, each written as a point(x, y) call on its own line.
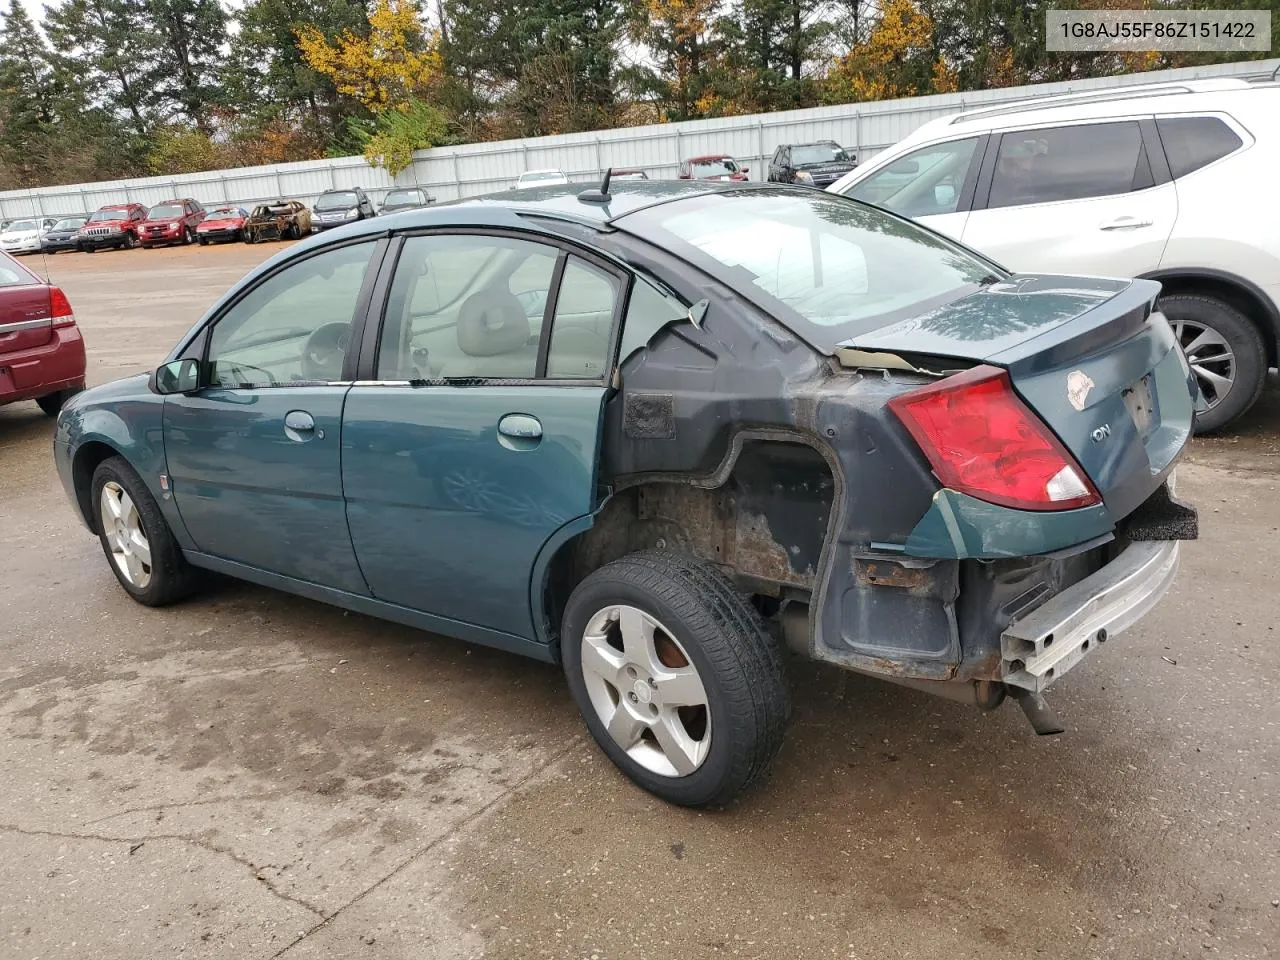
point(983, 441)
point(60, 309)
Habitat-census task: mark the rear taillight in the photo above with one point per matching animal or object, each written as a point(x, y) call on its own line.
point(982, 440)
point(60, 309)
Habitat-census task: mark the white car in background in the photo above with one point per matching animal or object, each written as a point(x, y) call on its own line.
point(541, 178)
point(24, 236)
point(1174, 181)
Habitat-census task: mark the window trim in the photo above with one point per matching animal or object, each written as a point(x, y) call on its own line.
point(1158, 163)
point(968, 186)
point(367, 368)
point(203, 335)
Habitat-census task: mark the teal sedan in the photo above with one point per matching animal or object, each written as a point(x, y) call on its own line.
point(658, 432)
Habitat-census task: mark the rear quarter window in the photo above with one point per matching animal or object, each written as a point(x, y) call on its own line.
point(1194, 142)
point(12, 275)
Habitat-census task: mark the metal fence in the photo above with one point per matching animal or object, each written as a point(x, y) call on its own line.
point(449, 173)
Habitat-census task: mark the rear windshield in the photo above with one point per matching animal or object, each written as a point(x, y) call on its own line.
point(540, 177)
point(827, 267)
point(404, 196)
point(21, 226)
point(165, 211)
point(69, 223)
point(714, 168)
point(343, 200)
point(817, 153)
point(12, 275)
point(108, 215)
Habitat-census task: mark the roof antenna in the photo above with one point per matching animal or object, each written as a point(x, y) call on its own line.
point(601, 195)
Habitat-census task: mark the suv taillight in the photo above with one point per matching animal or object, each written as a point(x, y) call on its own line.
point(982, 440)
point(60, 308)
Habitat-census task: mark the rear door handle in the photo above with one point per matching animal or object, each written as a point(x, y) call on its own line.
point(299, 426)
point(519, 431)
point(1124, 223)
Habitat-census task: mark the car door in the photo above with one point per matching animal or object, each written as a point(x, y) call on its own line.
point(254, 456)
point(934, 184)
point(476, 438)
point(1090, 198)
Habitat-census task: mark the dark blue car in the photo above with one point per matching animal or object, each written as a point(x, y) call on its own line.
point(656, 432)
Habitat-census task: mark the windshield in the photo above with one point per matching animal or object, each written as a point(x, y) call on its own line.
point(226, 213)
point(403, 196)
point(21, 226)
point(109, 215)
point(343, 200)
point(70, 223)
point(714, 168)
point(827, 267)
point(817, 153)
point(166, 211)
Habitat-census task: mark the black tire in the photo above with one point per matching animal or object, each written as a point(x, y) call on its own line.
point(172, 578)
point(203, 241)
point(89, 248)
point(51, 403)
point(1246, 344)
point(250, 237)
point(188, 237)
point(130, 241)
point(737, 660)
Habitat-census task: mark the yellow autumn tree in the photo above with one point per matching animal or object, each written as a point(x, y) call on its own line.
point(396, 64)
point(896, 60)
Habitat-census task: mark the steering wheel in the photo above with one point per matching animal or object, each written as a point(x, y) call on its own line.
point(323, 352)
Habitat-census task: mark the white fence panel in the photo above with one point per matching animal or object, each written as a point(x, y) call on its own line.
point(450, 173)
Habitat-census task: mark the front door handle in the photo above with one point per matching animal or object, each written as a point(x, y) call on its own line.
point(299, 426)
point(1124, 223)
point(519, 431)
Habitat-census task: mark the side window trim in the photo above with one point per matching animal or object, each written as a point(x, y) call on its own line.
point(376, 315)
point(969, 187)
point(359, 315)
point(1160, 171)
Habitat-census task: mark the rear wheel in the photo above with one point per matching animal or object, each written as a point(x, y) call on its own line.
point(51, 403)
point(136, 539)
point(675, 676)
point(1226, 354)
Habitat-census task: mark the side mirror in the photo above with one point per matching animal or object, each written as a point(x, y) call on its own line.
point(944, 194)
point(746, 169)
point(177, 376)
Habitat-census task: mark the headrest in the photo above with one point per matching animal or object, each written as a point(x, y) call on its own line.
point(492, 322)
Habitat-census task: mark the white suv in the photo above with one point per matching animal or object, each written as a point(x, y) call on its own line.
point(1176, 182)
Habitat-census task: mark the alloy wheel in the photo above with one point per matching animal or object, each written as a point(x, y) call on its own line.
point(1210, 358)
point(646, 691)
point(122, 526)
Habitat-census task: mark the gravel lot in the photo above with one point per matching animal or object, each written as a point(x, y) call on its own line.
point(251, 775)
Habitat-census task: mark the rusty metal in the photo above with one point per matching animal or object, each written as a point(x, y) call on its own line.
point(887, 573)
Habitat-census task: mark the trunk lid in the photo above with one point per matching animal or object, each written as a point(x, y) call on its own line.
point(1089, 355)
point(24, 317)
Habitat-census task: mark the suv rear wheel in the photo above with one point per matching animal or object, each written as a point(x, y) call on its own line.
point(1225, 351)
point(675, 676)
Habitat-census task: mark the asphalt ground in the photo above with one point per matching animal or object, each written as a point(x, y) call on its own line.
point(252, 775)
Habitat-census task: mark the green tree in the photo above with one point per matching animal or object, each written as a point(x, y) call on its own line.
point(190, 38)
point(28, 96)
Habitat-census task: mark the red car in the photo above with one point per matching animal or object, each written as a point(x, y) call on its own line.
point(41, 351)
point(716, 166)
point(174, 221)
point(113, 226)
point(223, 223)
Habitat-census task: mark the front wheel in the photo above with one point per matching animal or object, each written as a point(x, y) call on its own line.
point(675, 676)
point(130, 241)
point(135, 537)
point(188, 237)
point(1225, 352)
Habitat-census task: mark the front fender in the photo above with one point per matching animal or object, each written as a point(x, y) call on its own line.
point(123, 419)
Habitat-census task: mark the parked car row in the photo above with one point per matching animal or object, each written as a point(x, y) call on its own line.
point(185, 220)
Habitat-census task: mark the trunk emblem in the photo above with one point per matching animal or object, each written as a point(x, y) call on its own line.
point(1102, 433)
point(1078, 387)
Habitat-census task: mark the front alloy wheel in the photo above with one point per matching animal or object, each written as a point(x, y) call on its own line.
point(122, 528)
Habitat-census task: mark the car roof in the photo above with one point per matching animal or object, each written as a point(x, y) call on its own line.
point(711, 156)
point(809, 143)
point(1096, 104)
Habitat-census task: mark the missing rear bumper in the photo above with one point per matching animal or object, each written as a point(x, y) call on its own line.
point(1040, 647)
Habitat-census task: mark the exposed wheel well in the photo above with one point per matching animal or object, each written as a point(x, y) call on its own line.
point(765, 525)
point(86, 461)
point(1235, 293)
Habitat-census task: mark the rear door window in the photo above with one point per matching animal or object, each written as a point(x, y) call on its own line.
point(1069, 163)
point(1194, 142)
